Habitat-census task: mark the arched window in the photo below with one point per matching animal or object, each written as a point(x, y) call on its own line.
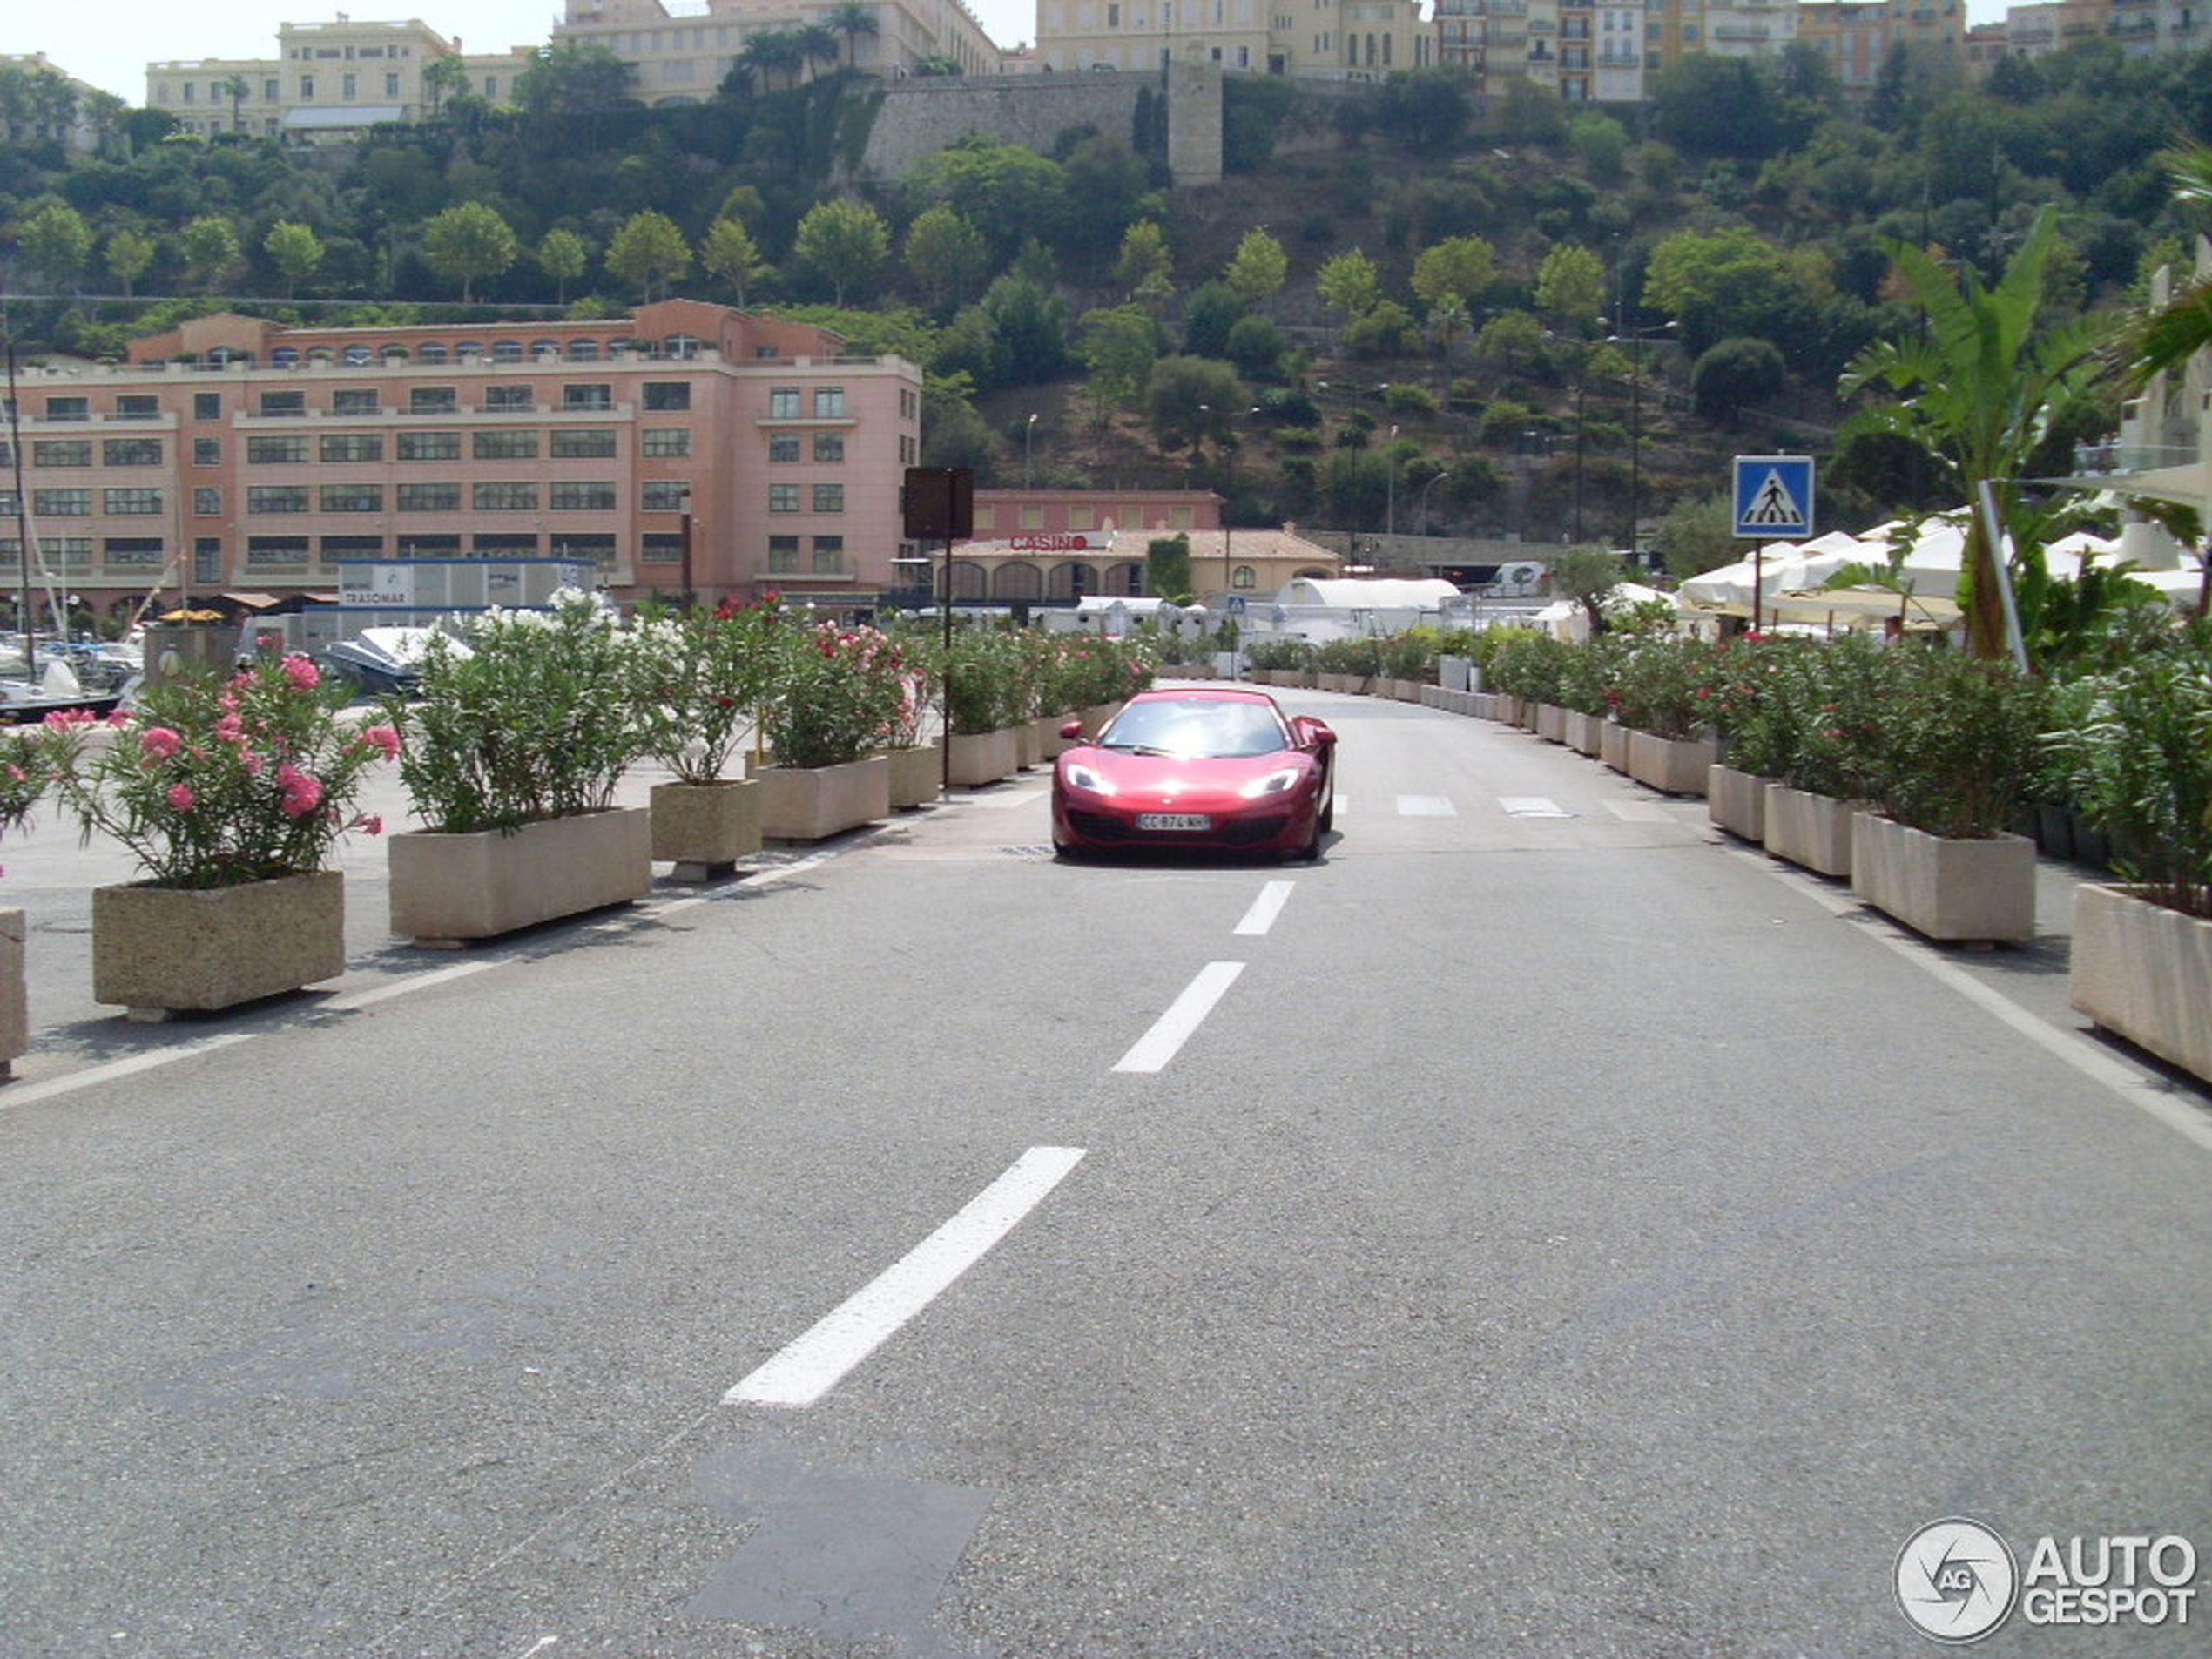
point(1125, 579)
point(1070, 581)
point(967, 579)
point(322, 355)
point(506, 351)
point(1017, 579)
point(433, 353)
point(395, 353)
point(469, 350)
point(357, 357)
point(545, 350)
point(583, 351)
point(1243, 577)
point(681, 348)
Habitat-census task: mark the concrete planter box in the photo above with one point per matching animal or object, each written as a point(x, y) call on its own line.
point(1812, 831)
point(1050, 744)
point(14, 1001)
point(1028, 748)
point(917, 775)
point(704, 829)
point(449, 889)
point(1943, 889)
point(2144, 972)
point(1486, 705)
point(1097, 716)
point(1406, 690)
point(1333, 682)
point(1505, 708)
point(161, 950)
point(1671, 765)
point(1613, 745)
point(1736, 801)
point(979, 758)
point(1585, 732)
point(1455, 674)
point(813, 803)
point(1551, 722)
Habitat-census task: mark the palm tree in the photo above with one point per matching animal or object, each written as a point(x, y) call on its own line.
point(769, 52)
point(238, 88)
point(853, 19)
point(818, 44)
point(2165, 337)
point(1978, 389)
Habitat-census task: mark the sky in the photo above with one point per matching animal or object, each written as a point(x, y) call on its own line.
point(109, 43)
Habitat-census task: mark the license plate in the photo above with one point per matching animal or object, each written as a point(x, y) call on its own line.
point(1173, 821)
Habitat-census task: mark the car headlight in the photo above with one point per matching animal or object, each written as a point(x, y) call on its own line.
point(1085, 778)
point(1274, 783)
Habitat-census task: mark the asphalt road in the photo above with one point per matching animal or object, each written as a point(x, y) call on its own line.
point(1537, 1229)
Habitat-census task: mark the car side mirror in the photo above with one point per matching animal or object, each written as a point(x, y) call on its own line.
point(1072, 730)
point(1316, 733)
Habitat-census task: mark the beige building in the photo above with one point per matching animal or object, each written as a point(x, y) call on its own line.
point(1313, 39)
point(2140, 28)
point(682, 57)
point(329, 80)
point(80, 135)
point(686, 445)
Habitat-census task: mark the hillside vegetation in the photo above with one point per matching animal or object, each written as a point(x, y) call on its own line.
point(1404, 307)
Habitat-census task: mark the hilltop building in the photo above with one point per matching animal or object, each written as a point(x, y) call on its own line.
point(685, 446)
point(1324, 39)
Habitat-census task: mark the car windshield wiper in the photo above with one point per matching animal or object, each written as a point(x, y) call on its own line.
point(1137, 749)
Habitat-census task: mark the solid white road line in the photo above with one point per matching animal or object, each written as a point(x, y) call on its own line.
point(814, 1363)
point(1425, 806)
point(1266, 908)
point(27, 1094)
point(1168, 1033)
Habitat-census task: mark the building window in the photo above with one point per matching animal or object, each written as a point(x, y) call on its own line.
point(429, 498)
point(573, 497)
point(783, 554)
point(670, 496)
point(829, 402)
point(207, 558)
point(138, 407)
point(132, 549)
point(506, 351)
point(783, 404)
point(131, 452)
point(829, 447)
point(1082, 518)
point(829, 555)
point(335, 548)
point(506, 446)
point(352, 498)
point(283, 406)
point(509, 397)
point(429, 546)
point(433, 354)
point(270, 452)
point(783, 446)
point(276, 549)
point(130, 504)
point(354, 400)
point(391, 83)
point(661, 547)
point(584, 443)
point(69, 409)
point(432, 400)
point(598, 546)
point(1244, 576)
point(276, 498)
point(430, 446)
point(829, 498)
point(352, 445)
point(207, 502)
point(595, 396)
point(504, 497)
point(668, 394)
point(62, 503)
point(667, 442)
point(60, 452)
point(782, 498)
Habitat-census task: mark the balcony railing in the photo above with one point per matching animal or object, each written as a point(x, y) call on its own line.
point(2117, 460)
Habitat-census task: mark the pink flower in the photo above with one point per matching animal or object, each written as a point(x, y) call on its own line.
point(180, 797)
point(231, 729)
point(303, 673)
point(383, 739)
point(159, 742)
point(64, 719)
point(251, 762)
point(369, 823)
point(302, 794)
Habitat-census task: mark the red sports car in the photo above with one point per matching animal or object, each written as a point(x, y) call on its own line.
point(1215, 768)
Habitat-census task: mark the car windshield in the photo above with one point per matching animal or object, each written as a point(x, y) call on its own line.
point(1197, 728)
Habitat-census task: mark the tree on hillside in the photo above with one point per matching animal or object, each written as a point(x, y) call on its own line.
point(1977, 388)
point(296, 252)
point(238, 88)
point(564, 256)
point(1145, 269)
point(211, 251)
point(845, 243)
point(946, 257)
point(770, 55)
point(729, 252)
point(57, 242)
point(1006, 190)
point(854, 18)
point(444, 77)
point(1188, 400)
point(1258, 268)
point(1697, 534)
point(1350, 283)
point(129, 253)
point(1117, 346)
point(648, 254)
point(470, 240)
point(2165, 337)
point(1570, 286)
point(1729, 282)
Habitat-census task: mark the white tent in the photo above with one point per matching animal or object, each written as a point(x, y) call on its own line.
point(1381, 593)
point(1566, 619)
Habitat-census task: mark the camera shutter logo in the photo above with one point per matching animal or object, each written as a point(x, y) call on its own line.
point(1957, 1580)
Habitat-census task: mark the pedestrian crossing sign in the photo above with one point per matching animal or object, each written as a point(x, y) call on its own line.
point(1774, 497)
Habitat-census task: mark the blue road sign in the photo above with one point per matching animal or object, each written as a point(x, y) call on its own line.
point(1774, 497)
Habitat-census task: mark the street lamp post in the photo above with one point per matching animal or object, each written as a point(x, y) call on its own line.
point(1425, 488)
point(1634, 338)
point(1390, 485)
point(1028, 434)
point(1228, 493)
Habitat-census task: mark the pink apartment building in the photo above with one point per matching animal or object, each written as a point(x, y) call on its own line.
point(686, 444)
